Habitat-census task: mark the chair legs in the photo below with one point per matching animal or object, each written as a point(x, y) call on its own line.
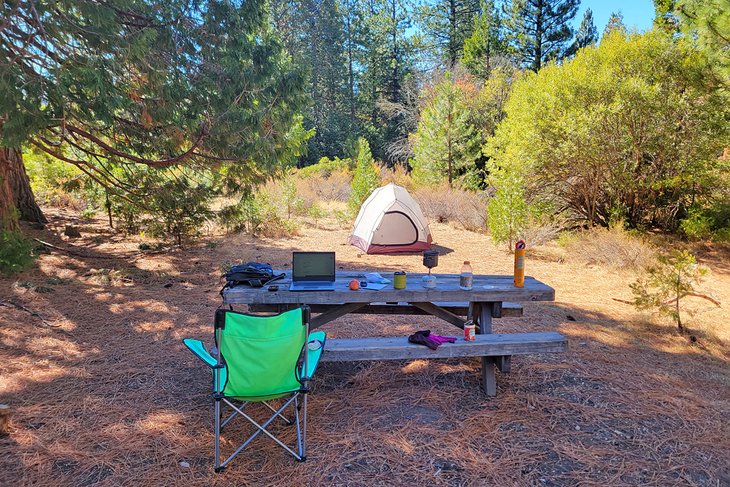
point(301, 426)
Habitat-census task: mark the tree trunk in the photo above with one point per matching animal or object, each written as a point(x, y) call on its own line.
point(15, 191)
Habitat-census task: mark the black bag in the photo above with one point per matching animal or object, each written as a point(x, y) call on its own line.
point(251, 274)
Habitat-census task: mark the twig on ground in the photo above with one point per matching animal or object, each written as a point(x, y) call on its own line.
point(10, 304)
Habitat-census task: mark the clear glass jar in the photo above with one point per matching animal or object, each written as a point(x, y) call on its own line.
point(466, 278)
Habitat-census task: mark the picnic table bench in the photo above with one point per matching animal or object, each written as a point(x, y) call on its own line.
point(491, 297)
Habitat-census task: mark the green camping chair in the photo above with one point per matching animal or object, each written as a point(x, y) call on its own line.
point(258, 359)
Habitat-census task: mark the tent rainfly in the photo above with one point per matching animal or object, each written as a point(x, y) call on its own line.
point(391, 221)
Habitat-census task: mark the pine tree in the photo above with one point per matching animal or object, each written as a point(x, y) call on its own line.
point(445, 143)
point(366, 177)
point(448, 23)
point(105, 85)
point(587, 34)
point(615, 23)
point(486, 41)
point(540, 29)
point(707, 24)
point(664, 15)
point(387, 63)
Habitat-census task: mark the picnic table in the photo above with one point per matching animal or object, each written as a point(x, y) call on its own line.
point(491, 297)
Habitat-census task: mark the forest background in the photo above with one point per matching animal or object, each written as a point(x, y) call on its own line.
point(165, 119)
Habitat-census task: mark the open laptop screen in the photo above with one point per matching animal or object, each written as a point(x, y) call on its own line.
point(313, 266)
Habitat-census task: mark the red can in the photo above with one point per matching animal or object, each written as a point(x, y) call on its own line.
point(470, 330)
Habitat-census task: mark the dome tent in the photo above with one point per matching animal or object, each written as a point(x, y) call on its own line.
point(390, 221)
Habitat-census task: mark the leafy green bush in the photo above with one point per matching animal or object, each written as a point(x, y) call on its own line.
point(16, 252)
point(317, 213)
point(325, 167)
point(697, 225)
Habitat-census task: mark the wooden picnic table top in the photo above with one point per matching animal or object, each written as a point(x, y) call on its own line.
point(486, 289)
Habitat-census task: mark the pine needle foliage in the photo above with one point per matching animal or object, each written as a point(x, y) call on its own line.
point(665, 285)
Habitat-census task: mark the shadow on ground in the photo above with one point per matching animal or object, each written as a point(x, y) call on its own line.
point(103, 392)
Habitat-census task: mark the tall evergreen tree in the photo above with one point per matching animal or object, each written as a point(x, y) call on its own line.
point(587, 34)
point(109, 84)
point(615, 22)
point(447, 24)
point(486, 41)
point(446, 143)
point(540, 29)
point(707, 24)
point(664, 15)
point(386, 63)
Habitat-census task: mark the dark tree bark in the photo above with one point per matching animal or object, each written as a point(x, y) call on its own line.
point(15, 191)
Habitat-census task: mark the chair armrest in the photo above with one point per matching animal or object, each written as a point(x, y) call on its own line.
point(196, 346)
point(317, 340)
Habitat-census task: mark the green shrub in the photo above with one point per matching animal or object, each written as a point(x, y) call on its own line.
point(16, 252)
point(317, 213)
point(697, 225)
point(325, 167)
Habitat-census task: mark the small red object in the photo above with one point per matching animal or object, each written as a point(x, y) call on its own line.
point(470, 330)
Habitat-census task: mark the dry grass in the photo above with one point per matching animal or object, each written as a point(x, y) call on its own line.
point(103, 392)
point(464, 209)
point(334, 187)
point(613, 247)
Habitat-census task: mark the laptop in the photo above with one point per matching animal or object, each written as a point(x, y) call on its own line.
point(313, 271)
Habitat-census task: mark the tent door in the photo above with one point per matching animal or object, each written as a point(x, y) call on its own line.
point(396, 228)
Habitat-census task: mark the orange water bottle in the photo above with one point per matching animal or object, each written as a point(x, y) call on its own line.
point(520, 263)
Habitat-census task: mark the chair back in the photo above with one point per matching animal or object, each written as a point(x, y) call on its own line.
point(261, 353)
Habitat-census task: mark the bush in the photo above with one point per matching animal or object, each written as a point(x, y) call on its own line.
point(326, 167)
point(696, 226)
point(16, 252)
point(467, 209)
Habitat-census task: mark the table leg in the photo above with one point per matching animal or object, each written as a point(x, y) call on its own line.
point(489, 378)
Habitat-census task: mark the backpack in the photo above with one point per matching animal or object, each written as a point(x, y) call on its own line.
point(251, 274)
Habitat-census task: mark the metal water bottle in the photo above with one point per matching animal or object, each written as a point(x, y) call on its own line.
point(520, 264)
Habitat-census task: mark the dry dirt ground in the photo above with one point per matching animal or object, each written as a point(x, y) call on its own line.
point(103, 392)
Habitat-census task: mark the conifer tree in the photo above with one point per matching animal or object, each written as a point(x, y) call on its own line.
point(486, 41)
point(446, 143)
point(448, 23)
point(540, 29)
point(615, 22)
point(366, 177)
point(587, 34)
point(103, 85)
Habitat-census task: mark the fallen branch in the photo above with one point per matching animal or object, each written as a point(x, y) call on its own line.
point(72, 252)
point(674, 300)
point(696, 295)
point(10, 304)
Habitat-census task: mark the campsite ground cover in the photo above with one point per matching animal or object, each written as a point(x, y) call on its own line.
point(103, 392)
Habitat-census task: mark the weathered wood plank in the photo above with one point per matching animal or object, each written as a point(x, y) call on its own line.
point(398, 348)
point(489, 377)
point(504, 363)
point(438, 312)
point(486, 289)
point(333, 314)
point(509, 310)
